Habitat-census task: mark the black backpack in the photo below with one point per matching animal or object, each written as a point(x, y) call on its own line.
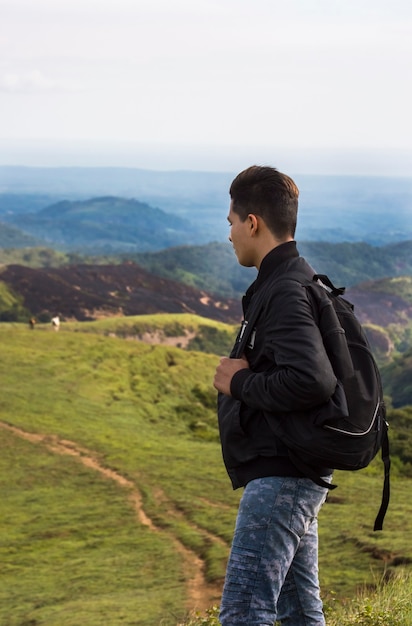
point(347, 432)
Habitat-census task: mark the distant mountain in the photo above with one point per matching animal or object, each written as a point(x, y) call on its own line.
point(92, 291)
point(11, 203)
point(106, 224)
point(376, 210)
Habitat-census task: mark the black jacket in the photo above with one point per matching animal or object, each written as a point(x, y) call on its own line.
point(289, 371)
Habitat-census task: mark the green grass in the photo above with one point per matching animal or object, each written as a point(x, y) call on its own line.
point(184, 330)
point(72, 548)
point(389, 604)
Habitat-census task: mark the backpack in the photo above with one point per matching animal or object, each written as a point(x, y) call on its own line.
point(346, 432)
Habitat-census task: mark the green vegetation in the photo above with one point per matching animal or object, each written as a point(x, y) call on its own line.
point(11, 306)
point(346, 263)
point(389, 604)
point(75, 546)
point(129, 404)
point(352, 263)
point(195, 333)
point(71, 549)
point(400, 286)
point(200, 267)
point(36, 257)
point(201, 334)
point(397, 379)
point(182, 330)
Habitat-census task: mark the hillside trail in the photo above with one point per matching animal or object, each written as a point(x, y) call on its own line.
point(200, 594)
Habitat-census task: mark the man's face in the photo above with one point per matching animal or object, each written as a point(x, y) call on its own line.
point(240, 237)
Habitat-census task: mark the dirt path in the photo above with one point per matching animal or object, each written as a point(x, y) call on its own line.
point(200, 594)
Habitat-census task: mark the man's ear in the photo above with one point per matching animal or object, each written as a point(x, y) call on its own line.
point(253, 223)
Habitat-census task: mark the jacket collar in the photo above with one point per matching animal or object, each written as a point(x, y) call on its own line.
point(270, 263)
point(274, 258)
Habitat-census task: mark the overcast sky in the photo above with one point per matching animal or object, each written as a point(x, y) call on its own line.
point(306, 85)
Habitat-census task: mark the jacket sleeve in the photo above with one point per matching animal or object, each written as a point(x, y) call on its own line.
point(295, 373)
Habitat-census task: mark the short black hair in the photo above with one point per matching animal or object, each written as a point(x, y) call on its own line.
point(264, 191)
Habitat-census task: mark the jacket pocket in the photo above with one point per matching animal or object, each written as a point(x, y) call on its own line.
point(236, 444)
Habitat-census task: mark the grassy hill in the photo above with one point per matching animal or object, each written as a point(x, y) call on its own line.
point(114, 499)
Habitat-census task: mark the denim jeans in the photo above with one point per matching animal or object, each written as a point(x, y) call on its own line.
point(272, 572)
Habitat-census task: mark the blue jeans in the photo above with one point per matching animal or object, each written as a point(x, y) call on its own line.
point(272, 572)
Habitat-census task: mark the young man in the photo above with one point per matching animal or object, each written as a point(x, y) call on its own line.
point(272, 572)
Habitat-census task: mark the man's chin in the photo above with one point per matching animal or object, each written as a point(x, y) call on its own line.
point(244, 263)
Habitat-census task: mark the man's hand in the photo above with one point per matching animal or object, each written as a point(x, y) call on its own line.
point(225, 372)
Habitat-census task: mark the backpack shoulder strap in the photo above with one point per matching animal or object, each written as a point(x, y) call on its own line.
point(255, 307)
point(335, 291)
point(386, 480)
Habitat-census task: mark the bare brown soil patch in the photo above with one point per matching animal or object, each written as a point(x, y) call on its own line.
point(84, 292)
